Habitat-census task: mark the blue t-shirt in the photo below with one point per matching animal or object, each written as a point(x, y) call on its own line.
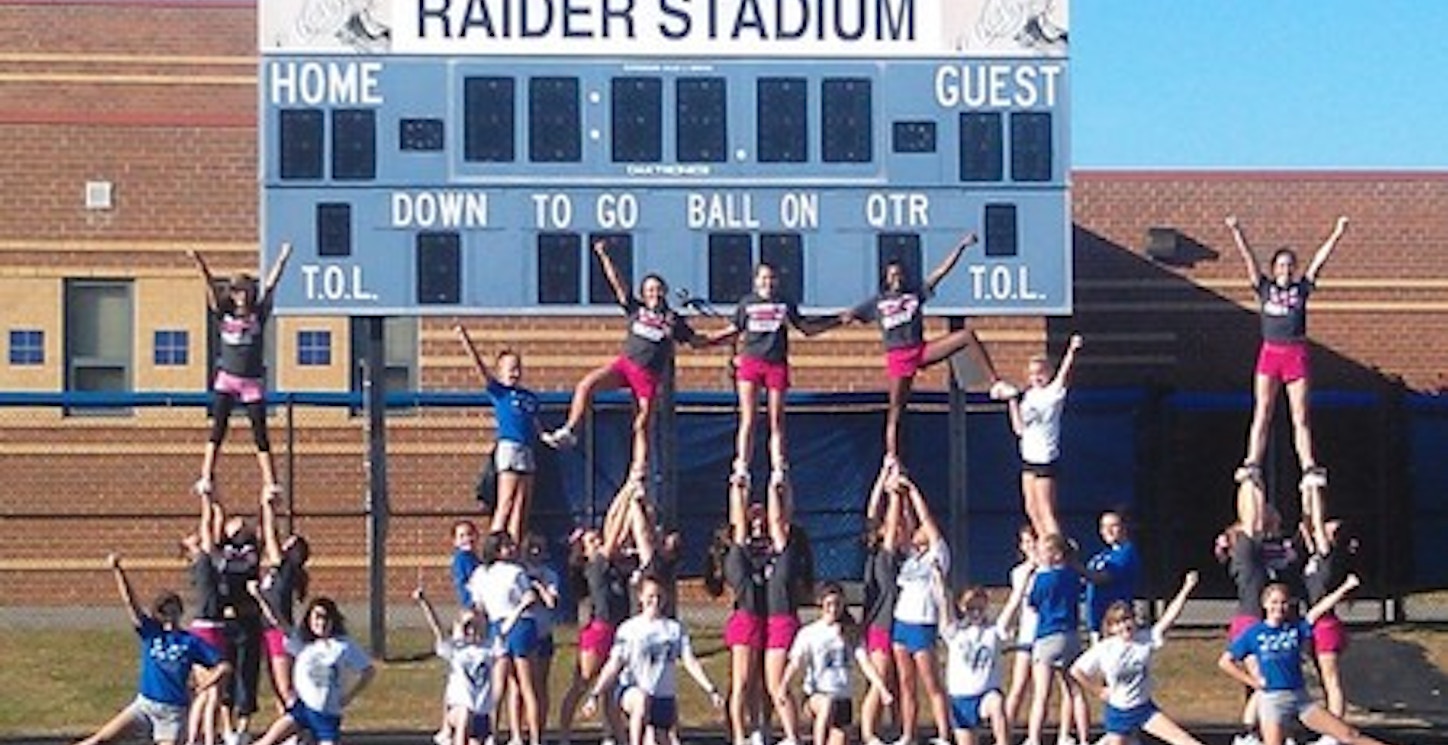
point(1278, 650)
point(463, 564)
point(166, 660)
point(1056, 596)
point(1122, 563)
point(516, 410)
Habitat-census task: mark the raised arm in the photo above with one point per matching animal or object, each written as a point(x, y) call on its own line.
point(271, 541)
point(1243, 250)
point(642, 531)
point(1014, 601)
point(922, 511)
point(1013, 407)
point(123, 586)
point(472, 351)
point(780, 511)
point(610, 272)
point(275, 275)
point(213, 300)
point(1174, 608)
point(616, 522)
point(209, 531)
point(1320, 258)
point(1330, 601)
point(1068, 361)
point(951, 259)
point(738, 513)
point(429, 614)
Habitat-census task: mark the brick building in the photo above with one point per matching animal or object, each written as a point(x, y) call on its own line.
point(147, 109)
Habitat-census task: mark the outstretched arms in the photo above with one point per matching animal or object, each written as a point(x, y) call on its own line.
point(950, 261)
point(275, 275)
point(1068, 361)
point(610, 272)
point(1174, 608)
point(213, 300)
point(123, 586)
point(1243, 250)
point(429, 614)
point(1320, 258)
point(1330, 601)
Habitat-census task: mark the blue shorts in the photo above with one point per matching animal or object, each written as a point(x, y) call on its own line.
point(522, 639)
point(965, 710)
point(914, 637)
point(545, 646)
point(480, 727)
point(1128, 721)
point(663, 712)
point(321, 726)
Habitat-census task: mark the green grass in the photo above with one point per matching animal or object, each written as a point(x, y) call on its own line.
point(71, 681)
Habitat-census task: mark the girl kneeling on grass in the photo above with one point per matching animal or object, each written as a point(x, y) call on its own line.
point(645, 650)
point(468, 697)
point(167, 654)
point(322, 652)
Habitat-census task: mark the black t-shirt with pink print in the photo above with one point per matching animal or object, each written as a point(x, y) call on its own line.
point(764, 324)
point(902, 323)
point(1284, 309)
point(242, 339)
point(651, 334)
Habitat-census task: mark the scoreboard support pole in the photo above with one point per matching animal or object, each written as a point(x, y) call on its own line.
point(958, 493)
point(374, 394)
point(664, 447)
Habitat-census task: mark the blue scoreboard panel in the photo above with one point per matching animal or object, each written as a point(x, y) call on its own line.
point(473, 182)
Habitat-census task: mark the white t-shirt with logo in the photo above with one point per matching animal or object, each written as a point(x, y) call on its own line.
point(469, 675)
point(1125, 665)
point(827, 657)
point(650, 650)
point(1041, 423)
point(972, 658)
point(317, 673)
point(917, 602)
point(499, 589)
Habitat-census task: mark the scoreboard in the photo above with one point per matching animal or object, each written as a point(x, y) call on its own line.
point(434, 157)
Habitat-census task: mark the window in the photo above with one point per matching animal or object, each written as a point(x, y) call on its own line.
point(399, 353)
point(300, 136)
point(638, 127)
point(488, 114)
point(560, 273)
point(1031, 146)
point(98, 336)
point(170, 347)
point(314, 348)
point(354, 144)
point(334, 229)
point(701, 124)
point(1000, 230)
point(439, 268)
point(555, 127)
point(784, 252)
point(420, 135)
point(783, 120)
point(27, 347)
point(913, 137)
point(981, 152)
point(848, 132)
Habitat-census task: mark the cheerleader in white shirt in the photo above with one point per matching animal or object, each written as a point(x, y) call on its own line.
point(501, 588)
point(468, 697)
point(1036, 420)
point(974, 646)
point(645, 651)
point(1118, 668)
point(917, 616)
point(825, 648)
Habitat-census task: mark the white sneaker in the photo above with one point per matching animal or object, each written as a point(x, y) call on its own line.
point(1289, 741)
point(874, 741)
point(442, 737)
point(740, 475)
point(229, 738)
point(939, 741)
point(203, 488)
point(757, 737)
point(1248, 472)
point(560, 438)
point(1067, 740)
point(1002, 391)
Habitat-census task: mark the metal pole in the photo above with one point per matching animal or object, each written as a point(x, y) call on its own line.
point(291, 464)
point(959, 494)
point(374, 391)
point(665, 426)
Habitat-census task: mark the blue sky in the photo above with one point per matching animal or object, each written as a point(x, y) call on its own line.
point(1261, 84)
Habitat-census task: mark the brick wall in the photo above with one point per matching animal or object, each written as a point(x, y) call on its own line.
point(159, 98)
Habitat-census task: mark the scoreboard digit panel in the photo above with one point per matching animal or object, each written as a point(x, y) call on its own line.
point(474, 183)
